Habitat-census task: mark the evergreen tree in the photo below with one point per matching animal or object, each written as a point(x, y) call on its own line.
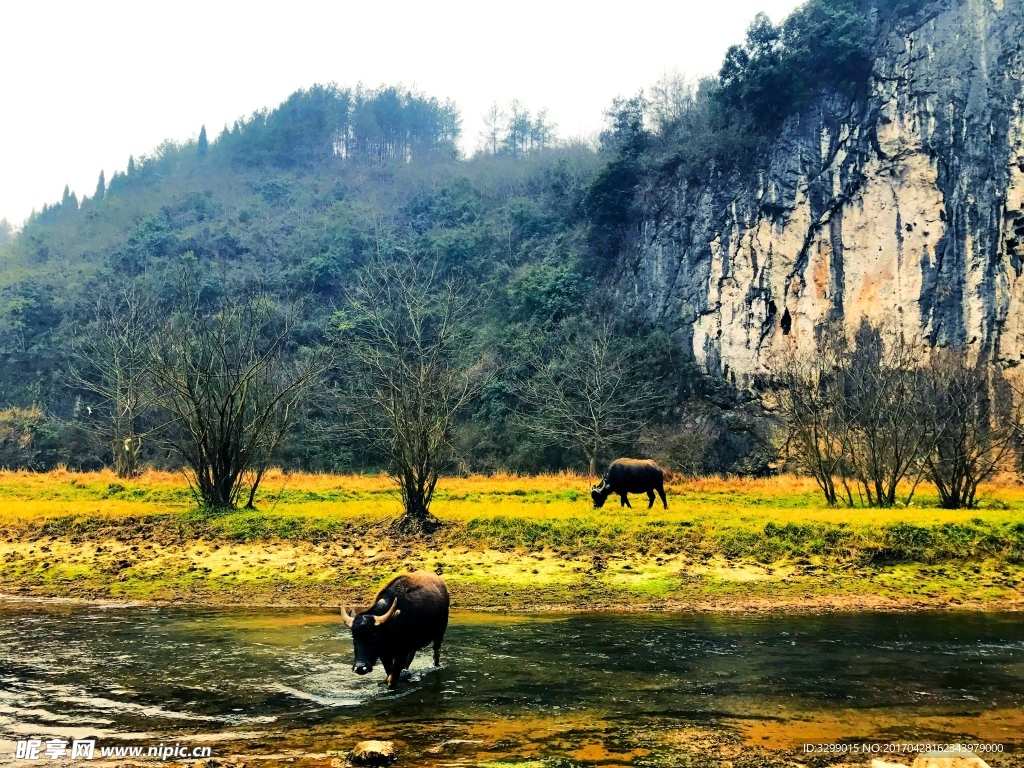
point(542, 133)
point(131, 165)
point(115, 183)
point(518, 126)
point(101, 188)
point(203, 144)
point(68, 203)
point(492, 136)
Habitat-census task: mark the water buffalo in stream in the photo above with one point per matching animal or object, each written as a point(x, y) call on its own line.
point(410, 613)
point(627, 476)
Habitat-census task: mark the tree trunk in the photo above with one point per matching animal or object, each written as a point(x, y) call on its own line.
point(416, 508)
point(126, 455)
point(416, 518)
point(251, 503)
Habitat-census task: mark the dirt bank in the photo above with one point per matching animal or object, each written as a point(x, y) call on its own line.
point(278, 572)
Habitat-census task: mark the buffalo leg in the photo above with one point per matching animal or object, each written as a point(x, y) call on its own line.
point(408, 660)
point(661, 492)
point(437, 651)
point(625, 501)
point(392, 670)
point(650, 499)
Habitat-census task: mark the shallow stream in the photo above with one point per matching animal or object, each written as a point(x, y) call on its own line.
point(611, 689)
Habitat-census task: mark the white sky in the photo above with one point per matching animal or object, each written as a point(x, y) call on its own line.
point(85, 84)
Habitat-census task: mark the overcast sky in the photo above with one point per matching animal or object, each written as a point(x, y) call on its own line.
point(85, 84)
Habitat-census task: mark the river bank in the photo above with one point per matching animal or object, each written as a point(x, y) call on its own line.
point(278, 572)
point(508, 543)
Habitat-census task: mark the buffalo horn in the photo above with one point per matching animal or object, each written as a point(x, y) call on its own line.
point(345, 615)
point(380, 620)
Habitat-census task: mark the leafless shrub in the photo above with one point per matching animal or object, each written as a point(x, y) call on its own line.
point(409, 371)
point(976, 419)
point(588, 393)
point(110, 360)
point(883, 412)
point(231, 389)
point(809, 387)
point(886, 421)
point(684, 446)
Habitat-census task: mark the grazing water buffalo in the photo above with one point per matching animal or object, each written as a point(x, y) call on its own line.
point(410, 613)
point(627, 476)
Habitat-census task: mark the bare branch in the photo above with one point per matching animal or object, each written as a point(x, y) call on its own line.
point(404, 338)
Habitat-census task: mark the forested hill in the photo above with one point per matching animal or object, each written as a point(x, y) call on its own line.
point(294, 201)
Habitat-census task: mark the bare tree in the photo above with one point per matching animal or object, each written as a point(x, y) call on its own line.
point(686, 446)
point(874, 416)
point(886, 424)
point(110, 358)
point(405, 343)
point(975, 421)
point(809, 387)
point(670, 99)
point(232, 388)
point(587, 392)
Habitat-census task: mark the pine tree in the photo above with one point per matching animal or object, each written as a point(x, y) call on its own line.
point(542, 132)
point(131, 165)
point(492, 136)
point(101, 188)
point(518, 125)
point(68, 202)
point(114, 187)
point(204, 146)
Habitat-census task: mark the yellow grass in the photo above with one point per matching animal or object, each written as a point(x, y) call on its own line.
point(26, 496)
point(514, 541)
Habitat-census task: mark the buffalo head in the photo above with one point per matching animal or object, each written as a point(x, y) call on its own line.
point(366, 636)
point(599, 493)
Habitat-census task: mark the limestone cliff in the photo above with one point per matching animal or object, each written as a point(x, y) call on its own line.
point(909, 206)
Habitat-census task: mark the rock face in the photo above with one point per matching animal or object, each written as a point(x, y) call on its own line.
point(907, 209)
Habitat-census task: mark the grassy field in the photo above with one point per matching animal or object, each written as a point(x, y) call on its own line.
point(509, 542)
